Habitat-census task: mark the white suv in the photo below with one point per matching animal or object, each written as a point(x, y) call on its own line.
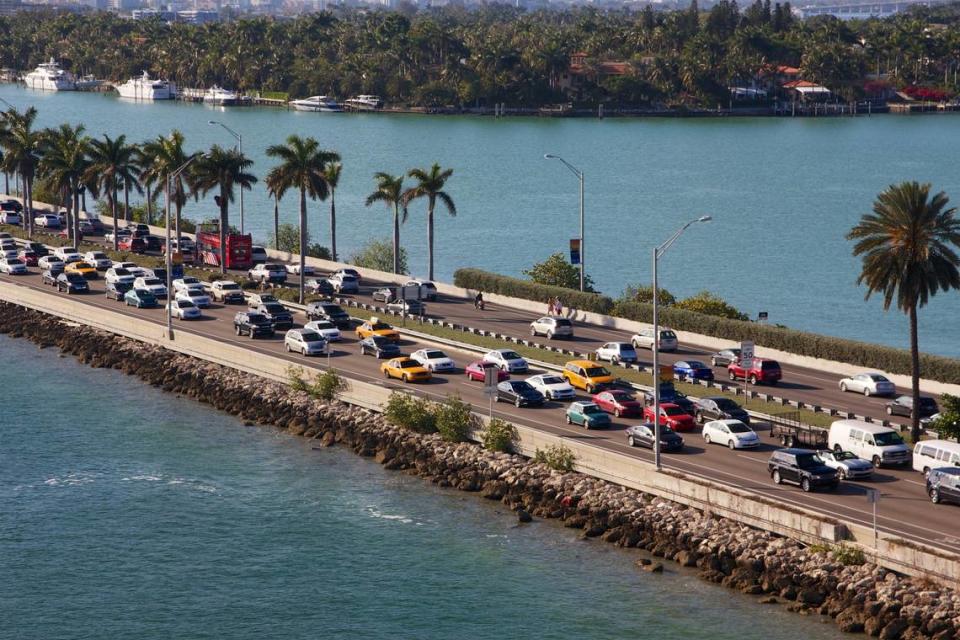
point(644, 340)
point(552, 327)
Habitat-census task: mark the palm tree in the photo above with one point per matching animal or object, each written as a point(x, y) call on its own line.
point(331, 175)
point(430, 186)
point(64, 163)
point(390, 192)
point(302, 165)
point(162, 156)
point(111, 163)
point(24, 147)
point(221, 169)
point(909, 246)
point(130, 176)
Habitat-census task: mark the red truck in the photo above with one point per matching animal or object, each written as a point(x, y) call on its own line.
point(762, 371)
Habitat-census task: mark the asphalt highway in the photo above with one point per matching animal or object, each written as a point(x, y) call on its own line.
point(904, 509)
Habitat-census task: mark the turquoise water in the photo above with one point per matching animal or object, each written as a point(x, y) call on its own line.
point(783, 192)
point(128, 513)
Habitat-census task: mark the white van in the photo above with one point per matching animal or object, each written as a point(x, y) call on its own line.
point(934, 454)
point(881, 445)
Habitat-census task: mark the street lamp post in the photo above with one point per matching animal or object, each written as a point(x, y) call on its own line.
point(240, 151)
point(579, 174)
point(657, 254)
point(169, 261)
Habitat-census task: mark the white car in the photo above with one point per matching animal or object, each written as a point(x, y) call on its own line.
point(141, 272)
point(47, 220)
point(68, 254)
point(869, 384)
point(325, 328)
point(184, 309)
point(126, 265)
point(153, 285)
point(268, 273)
point(119, 275)
point(614, 352)
point(344, 283)
point(644, 340)
point(731, 433)
point(308, 270)
point(508, 360)
point(552, 386)
point(433, 360)
point(551, 327)
point(10, 217)
point(108, 236)
point(306, 342)
point(10, 253)
point(256, 299)
point(847, 464)
point(51, 262)
point(226, 291)
point(98, 259)
point(13, 266)
point(428, 290)
point(348, 272)
point(198, 297)
point(186, 282)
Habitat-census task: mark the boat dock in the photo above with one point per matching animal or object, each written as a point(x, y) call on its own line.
point(923, 107)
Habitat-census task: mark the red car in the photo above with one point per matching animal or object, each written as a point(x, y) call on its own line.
point(28, 256)
point(762, 371)
point(672, 416)
point(66, 233)
point(618, 402)
point(129, 243)
point(476, 371)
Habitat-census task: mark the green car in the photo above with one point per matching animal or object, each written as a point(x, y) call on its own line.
point(588, 414)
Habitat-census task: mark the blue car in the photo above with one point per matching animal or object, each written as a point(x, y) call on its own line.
point(692, 370)
point(140, 298)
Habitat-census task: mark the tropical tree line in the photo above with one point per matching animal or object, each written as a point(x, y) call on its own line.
point(75, 164)
point(499, 54)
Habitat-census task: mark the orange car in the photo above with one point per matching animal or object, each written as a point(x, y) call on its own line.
point(374, 327)
point(406, 369)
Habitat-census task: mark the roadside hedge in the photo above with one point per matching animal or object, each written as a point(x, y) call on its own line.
point(504, 285)
point(802, 343)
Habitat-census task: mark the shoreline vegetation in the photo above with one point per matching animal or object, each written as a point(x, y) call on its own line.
point(756, 57)
point(835, 582)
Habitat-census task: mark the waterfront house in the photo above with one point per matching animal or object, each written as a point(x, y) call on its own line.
point(806, 91)
point(584, 70)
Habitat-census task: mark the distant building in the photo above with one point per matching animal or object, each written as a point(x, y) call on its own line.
point(10, 7)
point(582, 69)
point(861, 9)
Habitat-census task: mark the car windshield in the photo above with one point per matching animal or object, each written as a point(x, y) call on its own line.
point(195, 293)
point(408, 364)
point(380, 341)
point(230, 286)
point(809, 460)
point(152, 281)
point(185, 304)
point(380, 326)
point(521, 385)
point(887, 439)
point(725, 404)
point(696, 364)
point(563, 322)
point(310, 336)
point(274, 307)
point(332, 309)
point(275, 267)
point(323, 324)
point(97, 255)
point(552, 380)
point(433, 355)
point(144, 294)
point(189, 280)
point(14, 261)
point(347, 278)
point(738, 427)
point(592, 408)
point(673, 411)
point(927, 402)
point(256, 318)
point(74, 277)
point(266, 297)
point(844, 455)
point(876, 377)
point(667, 335)
point(596, 372)
point(769, 365)
point(621, 396)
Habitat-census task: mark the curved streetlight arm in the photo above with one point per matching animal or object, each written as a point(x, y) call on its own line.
point(7, 103)
point(666, 245)
point(232, 132)
point(240, 150)
point(576, 172)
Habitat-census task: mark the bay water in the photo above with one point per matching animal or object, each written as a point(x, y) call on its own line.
point(783, 193)
point(129, 513)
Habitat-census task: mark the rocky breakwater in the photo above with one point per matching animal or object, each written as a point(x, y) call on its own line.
point(836, 582)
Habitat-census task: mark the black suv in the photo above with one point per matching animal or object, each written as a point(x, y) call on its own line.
point(116, 290)
point(72, 283)
point(277, 314)
point(253, 324)
point(328, 311)
point(943, 485)
point(801, 467)
point(720, 408)
point(379, 346)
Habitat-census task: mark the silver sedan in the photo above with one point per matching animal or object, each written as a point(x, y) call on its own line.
point(869, 384)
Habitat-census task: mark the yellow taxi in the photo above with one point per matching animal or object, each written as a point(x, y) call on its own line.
point(587, 375)
point(85, 269)
point(374, 327)
point(406, 369)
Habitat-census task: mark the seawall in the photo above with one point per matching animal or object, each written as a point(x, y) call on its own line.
point(859, 596)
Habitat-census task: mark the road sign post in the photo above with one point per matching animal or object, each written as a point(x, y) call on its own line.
point(575, 251)
point(746, 363)
point(873, 497)
point(490, 385)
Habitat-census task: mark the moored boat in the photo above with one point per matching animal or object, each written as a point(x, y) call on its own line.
point(317, 103)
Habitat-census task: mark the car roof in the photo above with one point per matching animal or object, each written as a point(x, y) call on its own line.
point(949, 471)
point(793, 452)
point(584, 363)
point(729, 421)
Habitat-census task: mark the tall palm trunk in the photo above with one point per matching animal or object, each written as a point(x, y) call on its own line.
point(276, 223)
point(176, 224)
point(126, 201)
point(28, 204)
point(6, 183)
point(75, 199)
point(914, 375)
point(113, 211)
point(67, 203)
point(149, 206)
point(223, 229)
point(303, 236)
point(396, 237)
point(333, 224)
point(430, 237)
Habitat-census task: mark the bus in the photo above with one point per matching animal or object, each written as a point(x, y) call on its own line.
point(239, 249)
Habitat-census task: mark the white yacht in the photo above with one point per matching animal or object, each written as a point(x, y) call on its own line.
point(50, 77)
point(221, 97)
point(316, 103)
point(363, 103)
point(147, 88)
point(87, 83)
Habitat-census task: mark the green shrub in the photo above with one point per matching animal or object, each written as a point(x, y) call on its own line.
point(644, 293)
point(558, 457)
point(500, 435)
point(557, 272)
point(487, 282)
point(947, 425)
point(378, 254)
point(410, 412)
point(295, 376)
point(328, 385)
point(712, 305)
point(454, 419)
point(849, 556)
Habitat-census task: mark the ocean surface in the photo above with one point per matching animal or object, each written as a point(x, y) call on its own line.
point(129, 513)
point(783, 193)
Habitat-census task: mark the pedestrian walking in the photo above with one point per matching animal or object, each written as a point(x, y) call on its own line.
point(557, 306)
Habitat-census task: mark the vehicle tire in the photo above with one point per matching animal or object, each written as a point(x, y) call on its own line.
point(517, 403)
point(614, 360)
point(287, 347)
point(926, 472)
point(363, 351)
point(842, 473)
point(618, 413)
point(706, 438)
point(866, 392)
point(549, 335)
point(713, 362)
point(791, 441)
point(776, 477)
point(731, 445)
point(590, 389)
point(569, 421)
point(533, 332)
point(805, 485)
point(733, 376)
point(303, 352)
point(235, 329)
point(843, 387)
point(406, 378)
point(386, 374)
point(876, 462)
point(636, 345)
point(699, 417)
point(934, 495)
point(889, 411)
point(783, 441)
point(496, 398)
point(753, 380)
